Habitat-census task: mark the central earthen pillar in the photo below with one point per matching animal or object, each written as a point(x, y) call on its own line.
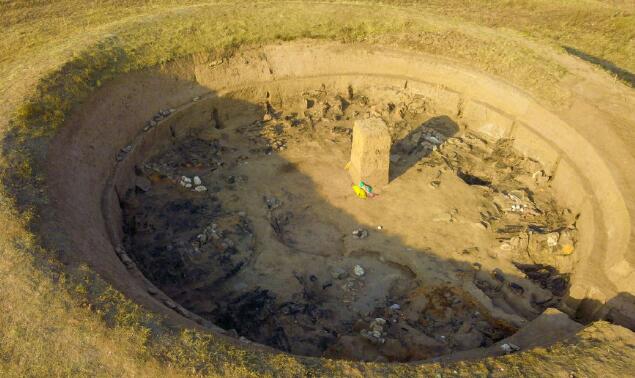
point(370, 155)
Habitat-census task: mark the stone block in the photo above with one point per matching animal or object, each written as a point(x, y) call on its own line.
point(370, 155)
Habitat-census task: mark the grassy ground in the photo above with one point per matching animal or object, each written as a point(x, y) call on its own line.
point(58, 320)
point(598, 31)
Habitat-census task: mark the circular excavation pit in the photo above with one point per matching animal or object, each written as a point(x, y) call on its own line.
point(254, 227)
point(227, 202)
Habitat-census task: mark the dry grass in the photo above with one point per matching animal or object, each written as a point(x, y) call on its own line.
point(604, 30)
point(58, 320)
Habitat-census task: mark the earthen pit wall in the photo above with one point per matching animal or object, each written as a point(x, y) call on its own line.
point(580, 177)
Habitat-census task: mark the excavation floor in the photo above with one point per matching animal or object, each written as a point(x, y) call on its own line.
point(254, 226)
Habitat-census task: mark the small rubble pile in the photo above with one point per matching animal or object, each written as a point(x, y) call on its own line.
point(124, 152)
point(421, 143)
point(429, 322)
point(530, 226)
point(358, 270)
point(187, 253)
point(194, 157)
point(375, 332)
point(516, 295)
point(158, 117)
point(194, 183)
point(360, 233)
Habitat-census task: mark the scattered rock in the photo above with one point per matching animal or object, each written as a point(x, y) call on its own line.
point(360, 233)
point(279, 145)
point(509, 348)
point(197, 181)
point(123, 152)
point(375, 333)
point(552, 239)
point(185, 182)
point(272, 202)
point(378, 324)
point(518, 208)
point(358, 271)
point(200, 188)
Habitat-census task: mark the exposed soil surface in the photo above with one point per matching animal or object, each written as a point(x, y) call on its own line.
point(253, 225)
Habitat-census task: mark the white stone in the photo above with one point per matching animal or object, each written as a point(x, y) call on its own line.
point(380, 321)
point(200, 188)
point(358, 271)
point(197, 181)
point(432, 139)
point(509, 347)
